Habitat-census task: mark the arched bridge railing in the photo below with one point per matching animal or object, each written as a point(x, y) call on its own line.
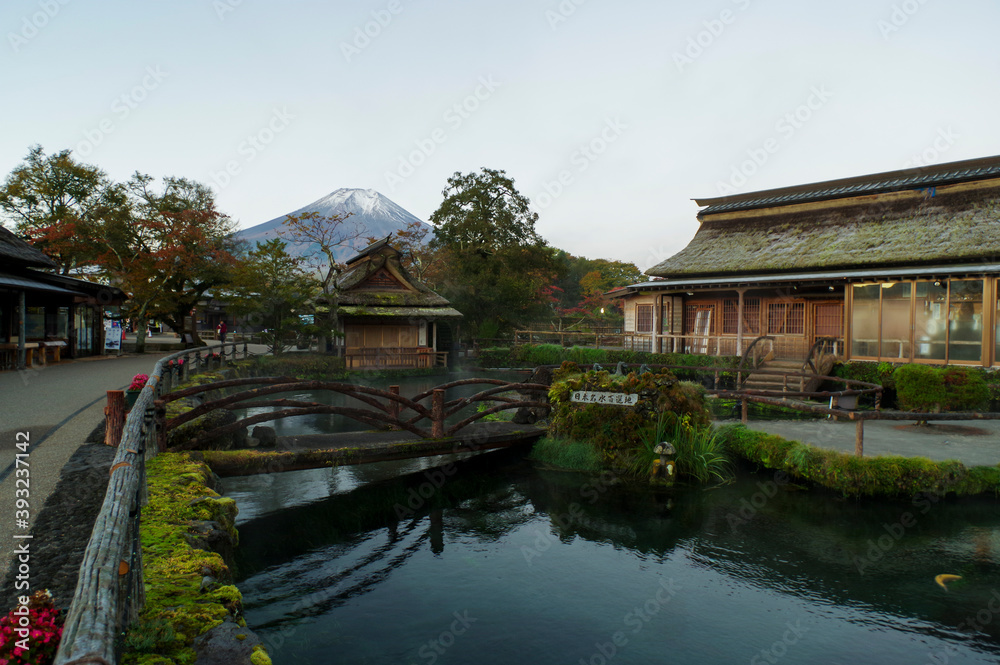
point(387, 409)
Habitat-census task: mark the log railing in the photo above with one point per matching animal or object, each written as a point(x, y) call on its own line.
point(110, 592)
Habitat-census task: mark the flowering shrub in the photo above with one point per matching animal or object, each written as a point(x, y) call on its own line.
point(139, 381)
point(31, 637)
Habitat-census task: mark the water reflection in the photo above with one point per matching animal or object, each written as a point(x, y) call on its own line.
point(557, 562)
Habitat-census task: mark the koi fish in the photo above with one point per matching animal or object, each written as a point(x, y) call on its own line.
point(942, 580)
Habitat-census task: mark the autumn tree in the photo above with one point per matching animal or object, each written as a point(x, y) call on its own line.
point(60, 205)
point(495, 266)
point(326, 235)
point(175, 247)
point(584, 282)
point(272, 289)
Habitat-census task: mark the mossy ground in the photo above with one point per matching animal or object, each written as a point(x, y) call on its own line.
point(849, 475)
point(177, 610)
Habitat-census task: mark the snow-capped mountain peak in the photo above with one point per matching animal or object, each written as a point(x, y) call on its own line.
point(375, 214)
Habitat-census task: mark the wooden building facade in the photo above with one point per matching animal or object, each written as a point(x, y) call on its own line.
point(901, 267)
point(388, 318)
point(46, 316)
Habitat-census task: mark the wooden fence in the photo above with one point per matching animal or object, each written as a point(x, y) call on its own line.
point(110, 591)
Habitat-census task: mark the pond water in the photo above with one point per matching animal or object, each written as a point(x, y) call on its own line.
point(492, 560)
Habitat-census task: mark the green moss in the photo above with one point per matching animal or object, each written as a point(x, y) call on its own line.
point(259, 656)
point(177, 610)
point(888, 475)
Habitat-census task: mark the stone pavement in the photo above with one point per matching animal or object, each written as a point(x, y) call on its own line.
point(972, 442)
point(56, 406)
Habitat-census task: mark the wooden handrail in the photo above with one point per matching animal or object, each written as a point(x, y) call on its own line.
point(110, 592)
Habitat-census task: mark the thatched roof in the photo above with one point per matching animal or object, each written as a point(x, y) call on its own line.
point(377, 278)
point(16, 252)
point(939, 227)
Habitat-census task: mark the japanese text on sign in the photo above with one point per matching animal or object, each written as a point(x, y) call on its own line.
point(591, 397)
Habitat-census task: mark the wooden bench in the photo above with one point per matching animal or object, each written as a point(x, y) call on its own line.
point(55, 348)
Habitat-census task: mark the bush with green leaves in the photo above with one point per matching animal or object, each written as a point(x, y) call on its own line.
point(889, 475)
point(700, 453)
point(927, 389)
point(919, 388)
point(617, 430)
point(965, 389)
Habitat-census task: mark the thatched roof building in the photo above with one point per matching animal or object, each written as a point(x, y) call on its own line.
point(389, 318)
point(801, 263)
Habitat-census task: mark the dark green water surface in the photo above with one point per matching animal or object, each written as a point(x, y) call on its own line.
point(492, 560)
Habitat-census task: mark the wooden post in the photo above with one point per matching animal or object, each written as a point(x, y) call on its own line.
point(160, 424)
point(437, 414)
point(114, 418)
point(743, 410)
point(859, 438)
point(394, 406)
point(246, 354)
point(739, 322)
point(197, 362)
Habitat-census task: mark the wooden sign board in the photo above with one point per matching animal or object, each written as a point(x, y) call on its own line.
point(594, 397)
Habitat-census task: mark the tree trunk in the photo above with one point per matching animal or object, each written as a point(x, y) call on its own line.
point(140, 332)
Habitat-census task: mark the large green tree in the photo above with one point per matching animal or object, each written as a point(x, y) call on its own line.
point(494, 267)
point(272, 289)
point(61, 205)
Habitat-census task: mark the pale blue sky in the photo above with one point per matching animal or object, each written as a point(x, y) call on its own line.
point(180, 88)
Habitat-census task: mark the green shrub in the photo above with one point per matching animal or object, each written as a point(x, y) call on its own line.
point(859, 476)
point(526, 355)
point(919, 388)
point(498, 356)
point(616, 431)
point(700, 454)
point(965, 389)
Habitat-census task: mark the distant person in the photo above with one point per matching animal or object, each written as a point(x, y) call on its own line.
point(222, 331)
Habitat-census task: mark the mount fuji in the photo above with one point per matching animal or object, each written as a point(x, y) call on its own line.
point(377, 215)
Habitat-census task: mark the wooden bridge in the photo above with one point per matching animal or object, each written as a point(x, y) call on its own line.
point(110, 592)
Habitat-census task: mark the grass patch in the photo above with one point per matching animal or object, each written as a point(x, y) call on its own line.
point(566, 453)
point(701, 455)
point(888, 475)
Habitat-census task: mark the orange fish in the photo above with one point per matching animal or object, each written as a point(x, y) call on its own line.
point(942, 580)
